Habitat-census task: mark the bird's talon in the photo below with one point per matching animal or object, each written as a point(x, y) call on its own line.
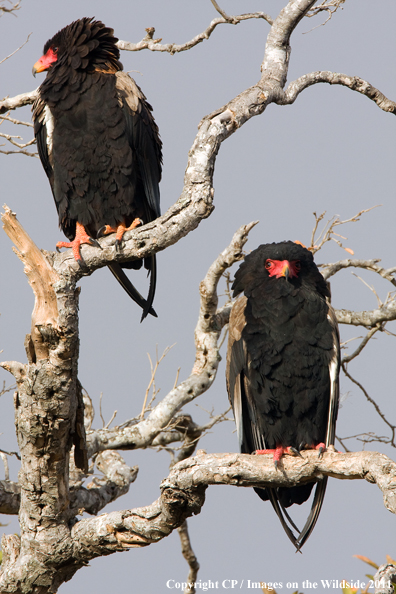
point(82, 264)
point(294, 451)
point(94, 243)
point(118, 245)
point(101, 232)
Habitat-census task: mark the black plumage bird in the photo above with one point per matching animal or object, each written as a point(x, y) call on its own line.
point(98, 143)
point(283, 366)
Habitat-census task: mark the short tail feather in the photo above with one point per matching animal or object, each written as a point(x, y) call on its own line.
point(126, 284)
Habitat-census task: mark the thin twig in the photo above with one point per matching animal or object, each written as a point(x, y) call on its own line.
point(190, 557)
point(328, 233)
point(20, 152)
point(11, 10)
point(100, 408)
point(361, 346)
point(229, 19)
point(11, 454)
point(10, 139)
point(329, 7)
point(340, 439)
point(111, 420)
point(377, 408)
point(153, 372)
point(177, 378)
point(7, 118)
point(20, 47)
point(172, 48)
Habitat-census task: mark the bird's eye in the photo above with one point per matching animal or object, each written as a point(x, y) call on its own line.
point(297, 265)
point(55, 50)
point(268, 265)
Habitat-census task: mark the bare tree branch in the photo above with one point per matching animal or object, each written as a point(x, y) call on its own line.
point(10, 10)
point(48, 383)
point(21, 46)
point(204, 371)
point(183, 493)
point(356, 352)
point(355, 83)
point(189, 556)
point(117, 479)
point(372, 401)
point(368, 319)
point(20, 152)
point(328, 232)
point(14, 121)
point(329, 6)
point(154, 45)
point(225, 16)
point(41, 277)
point(329, 270)
point(10, 103)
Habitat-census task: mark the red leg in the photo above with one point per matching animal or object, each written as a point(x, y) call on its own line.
point(80, 238)
point(119, 230)
point(321, 447)
point(278, 453)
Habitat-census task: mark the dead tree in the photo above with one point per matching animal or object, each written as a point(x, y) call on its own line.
point(55, 437)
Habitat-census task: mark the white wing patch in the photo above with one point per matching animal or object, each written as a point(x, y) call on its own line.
point(334, 368)
point(49, 126)
point(237, 406)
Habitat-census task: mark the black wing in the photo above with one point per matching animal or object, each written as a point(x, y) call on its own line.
point(245, 412)
point(143, 137)
point(334, 370)
point(246, 416)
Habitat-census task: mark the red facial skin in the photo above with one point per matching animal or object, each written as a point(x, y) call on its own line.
point(284, 268)
point(46, 61)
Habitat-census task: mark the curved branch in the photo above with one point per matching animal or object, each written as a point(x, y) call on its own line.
point(329, 270)
point(10, 103)
point(205, 367)
point(364, 342)
point(385, 313)
point(368, 397)
point(154, 45)
point(117, 478)
point(183, 493)
point(355, 83)
point(42, 278)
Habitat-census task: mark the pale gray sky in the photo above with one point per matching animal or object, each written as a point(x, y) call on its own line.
point(332, 150)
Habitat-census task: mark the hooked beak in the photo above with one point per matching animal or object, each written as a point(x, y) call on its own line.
point(39, 67)
point(286, 272)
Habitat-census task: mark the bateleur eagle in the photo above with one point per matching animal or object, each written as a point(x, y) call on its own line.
point(283, 367)
point(98, 143)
